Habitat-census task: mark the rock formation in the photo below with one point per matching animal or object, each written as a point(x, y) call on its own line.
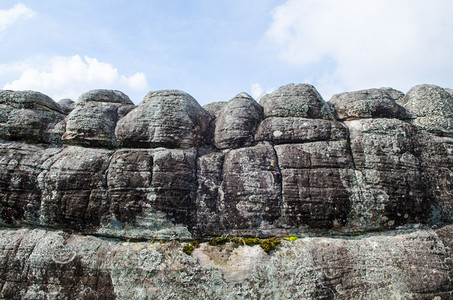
point(100, 197)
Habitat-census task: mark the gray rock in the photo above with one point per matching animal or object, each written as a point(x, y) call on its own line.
point(431, 108)
point(250, 195)
point(394, 94)
point(372, 103)
point(413, 264)
point(93, 120)
point(296, 100)
point(164, 119)
point(315, 181)
point(436, 162)
point(67, 105)
point(105, 96)
point(29, 116)
point(389, 188)
point(209, 181)
point(20, 167)
point(300, 130)
point(215, 108)
point(73, 188)
point(450, 91)
point(237, 122)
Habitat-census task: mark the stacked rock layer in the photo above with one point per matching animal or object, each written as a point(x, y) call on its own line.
point(292, 164)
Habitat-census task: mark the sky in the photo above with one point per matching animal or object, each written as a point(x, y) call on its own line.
point(215, 49)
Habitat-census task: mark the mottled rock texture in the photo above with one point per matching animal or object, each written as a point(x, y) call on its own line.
point(164, 118)
point(101, 180)
point(372, 103)
point(237, 121)
point(406, 264)
point(431, 108)
point(93, 120)
point(296, 100)
point(29, 116)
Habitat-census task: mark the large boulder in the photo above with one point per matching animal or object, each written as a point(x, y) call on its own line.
point(296, 100)
point(431, 108)
point(371, 103)
point(93, 120)
point(237, 122)
point(29, 116)
point(169, 118)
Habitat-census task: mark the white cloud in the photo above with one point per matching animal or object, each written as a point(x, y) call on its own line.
point(365, 44)
point(258, 92)
point(69, 77)
point(12, 15)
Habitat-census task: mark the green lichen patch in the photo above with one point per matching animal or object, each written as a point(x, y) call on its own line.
point(189, 247)
point(291, 238)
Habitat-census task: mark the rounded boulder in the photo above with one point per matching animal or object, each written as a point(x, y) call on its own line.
point(167, 118)
point(296, 100)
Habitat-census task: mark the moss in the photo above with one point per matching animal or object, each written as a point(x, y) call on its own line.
point(291, 238)
point(216, 241)
point(251, 241)
point(269, 244)
point(189, 247)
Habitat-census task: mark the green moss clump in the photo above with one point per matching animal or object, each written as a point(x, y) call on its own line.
point(189, 247)
point(216, 241)
point(251, 241)
point(269, 244)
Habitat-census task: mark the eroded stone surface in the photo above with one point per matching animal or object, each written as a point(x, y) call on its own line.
point(164, 119)
point(431, 108)
point(412, 264)
point(93, 120)
point(237, 122)
point(296, 100)
point(371, 103)
point(169, 177)
point(250, 195)
point(300, 130)
point(29, 116)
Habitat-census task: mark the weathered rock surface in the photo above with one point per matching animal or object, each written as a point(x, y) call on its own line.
point(67, 105)
point(407, 264)
point(372, 103)
point(300, 130)
point(215, 108)
point(296, 100)
point(164, 119)
point(30, 117)
point(93, 120)
point(168, 169)
point(431, 108)
point(237, 122)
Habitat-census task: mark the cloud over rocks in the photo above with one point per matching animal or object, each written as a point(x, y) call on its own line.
point(68, 77)
point(366, 43)
point(12, 15)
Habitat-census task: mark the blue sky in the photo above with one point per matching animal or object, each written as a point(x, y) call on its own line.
point(218, 48)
